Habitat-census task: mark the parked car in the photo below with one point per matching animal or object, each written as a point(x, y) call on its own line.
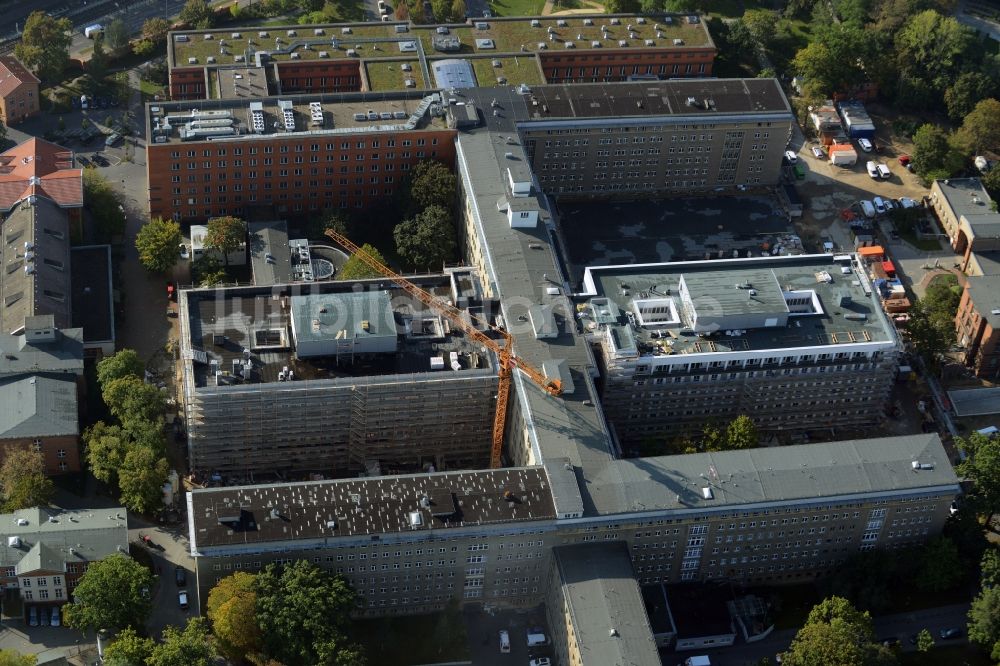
point(865, 145)
point(82, 159)
point(883, 170)
point(880, 207)
point(182, 599)
point(55, 616)
point(112, 139)
point(907, 202)
point(872, 169)
point(954, 632)
point(867, 208)
point(504, 642)
point(100, 160)
point(818, 152)
point(791, 156)
point(171, 291)
point(541, 661)
point(184, 252)
point(180, 575)
point(905, 160)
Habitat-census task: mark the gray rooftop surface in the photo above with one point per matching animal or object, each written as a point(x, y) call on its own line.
point(38, 406)
point(92, 534)
point(93, 310)
point(64, 354)
point(787, 473)
point(975, 402)
point(324, 317)
point(984, 290)
point(968, 197)
point(270, 238)
point(608, 616)
point(377, 505)
point(713, 285)
point(988, 262)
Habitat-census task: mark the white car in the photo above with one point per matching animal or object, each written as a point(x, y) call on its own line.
point(185, 254)
point(541, 661)
point(791, 156)
point(504, 642)
point(818, 152)
point(872, 169)
point(883, 170)
point(865, 145)
point(880, 205)
point(907, 202)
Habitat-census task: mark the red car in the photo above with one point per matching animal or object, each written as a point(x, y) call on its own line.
point(171, 291)
point(904, 160)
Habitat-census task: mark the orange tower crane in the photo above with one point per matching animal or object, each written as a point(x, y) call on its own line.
point(462, 321)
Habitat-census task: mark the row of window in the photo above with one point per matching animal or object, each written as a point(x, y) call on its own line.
point(299, 148)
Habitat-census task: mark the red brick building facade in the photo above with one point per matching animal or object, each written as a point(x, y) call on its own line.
point(978, 325)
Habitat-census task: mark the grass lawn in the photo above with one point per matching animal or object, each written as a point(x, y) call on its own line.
point(390, 75)
point(515, 70)
point(150, 90)
point(387, 640)
point(517, 7)
point(953, 655)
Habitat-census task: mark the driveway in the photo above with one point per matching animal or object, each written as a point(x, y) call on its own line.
point(170, 549)
point(483, 628)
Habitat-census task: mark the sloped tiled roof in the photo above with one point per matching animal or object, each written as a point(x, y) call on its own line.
point(13, 74)
point(38, 406)
point(38, 167)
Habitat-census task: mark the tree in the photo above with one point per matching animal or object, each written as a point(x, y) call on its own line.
point(123, 363)
point(711, 438)
point(834, 62)
point(980, 130)
point(864, 579)
point(106, 447)
point(141, 478)
point(110, 595)
point(44, 45)
point(925, 641)
point(102, 203)
point(232, 607)
point(933, 155)
point(335, 221)
point(156, 29)
point(355, 269)
point(836, 634)
point(933, 48)
point(225, 235)
point(742, 433)
point(427, 240)
point(116, 36)
point(984, 620)
point(14, 658)
point(762, 25)
point(133, 402)
point(158, 244)
point(990, 568)
point(97, 66)
point(190, 647)
point(982, 467)
point(303, 611)
point(23, 480)
point(432, 184)
point(968, 90)
point(3, 131)
point(940, 567)
point(129, 649)
point(198, 14)
point(926, 336)
point(621, 6)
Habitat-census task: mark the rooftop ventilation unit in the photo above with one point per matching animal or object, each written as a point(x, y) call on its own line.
point(706, 493)
point(415, 519)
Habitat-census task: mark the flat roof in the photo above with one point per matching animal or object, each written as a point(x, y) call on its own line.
point(605, 606)
point(330, 317)
point(322, 510)
point(19, 356)
point(984, 290)
point(84, 535)
point(375, 40)
point(968, 197)
point(270, 255)
point(800, 473)
point(93, 307)
point(240, 82)
point(328, 115)
point(222, 323)
point(719, 290)
point(975, 402)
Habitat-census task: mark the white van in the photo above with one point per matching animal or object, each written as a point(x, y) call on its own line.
point(504, 642)
point(536, 638)
point(989, 431)
point(867, 208)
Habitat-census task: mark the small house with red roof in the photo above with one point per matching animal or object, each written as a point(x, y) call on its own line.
point(18, 91)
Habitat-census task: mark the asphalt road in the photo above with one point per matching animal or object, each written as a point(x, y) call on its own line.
point(899, 626)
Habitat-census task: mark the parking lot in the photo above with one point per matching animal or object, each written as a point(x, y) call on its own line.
point(483, 628)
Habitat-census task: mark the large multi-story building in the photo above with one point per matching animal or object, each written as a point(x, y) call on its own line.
point(409, 544)
point(977, 324)
point(354, 57)
point(796, 342)
point(335, 378)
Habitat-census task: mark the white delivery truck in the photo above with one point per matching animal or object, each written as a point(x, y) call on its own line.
point(92, 31)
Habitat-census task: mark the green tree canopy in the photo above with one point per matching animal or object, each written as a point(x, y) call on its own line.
point(198, 14)
point(232, 607)
point(123, 363)
point(131, 400)
point(940, 567)
point(129, 649)
point(741, 433)
point(837, 634)
point(97, 66)
point(980, 131)
point(984, 620)
point(427, 240)
point(44, 45)
point(226, 235)
point(23, 480)
point(833, 62)
point(432, 184)
point(982, 467)
point(141, 478)
point(155, 29)
point(865, 579)
point(188, 647)
point(158, 243)
point(933, 155)
point(355, 269)
point(109, 595)
point(106, 446)
point(116, 36)
point(303, 612)
point(102, 203)
point(966, 91)
point(934, 48)
point(925, 641)
point(990, 567)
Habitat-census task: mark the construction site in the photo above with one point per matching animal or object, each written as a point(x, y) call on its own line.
point(334, 379)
